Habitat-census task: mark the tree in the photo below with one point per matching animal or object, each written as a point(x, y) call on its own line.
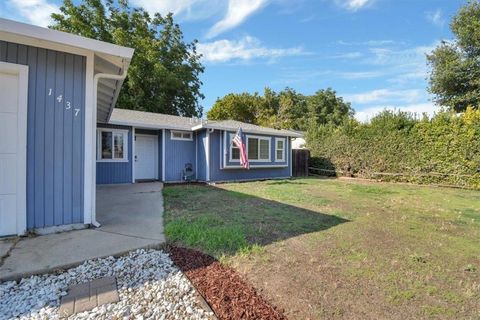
point(287, 109)
point(292, 111)
point(164, 73)
point(324, 107)
point(240, 107)
point(455, 66)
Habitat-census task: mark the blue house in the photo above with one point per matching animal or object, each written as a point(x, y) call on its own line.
point(137, 146)
point(60, 134)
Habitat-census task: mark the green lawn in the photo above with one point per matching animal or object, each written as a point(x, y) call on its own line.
point(340, 248)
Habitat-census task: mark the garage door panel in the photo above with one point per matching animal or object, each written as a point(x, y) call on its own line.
point(8, 214)
point(8, 132)
point(8, 92)
point(8, 174)
point(13, 113)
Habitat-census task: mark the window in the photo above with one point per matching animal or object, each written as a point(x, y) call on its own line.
point(181, 135)
point(258, 148)
point(234, 151)
point(112, 145)
point(279, 149)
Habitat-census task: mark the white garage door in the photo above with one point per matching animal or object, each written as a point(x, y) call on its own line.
point(13, 129)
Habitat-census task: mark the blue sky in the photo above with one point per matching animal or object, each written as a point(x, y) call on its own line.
point(372, 52)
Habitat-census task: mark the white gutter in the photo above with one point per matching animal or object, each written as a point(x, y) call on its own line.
point(97, 77)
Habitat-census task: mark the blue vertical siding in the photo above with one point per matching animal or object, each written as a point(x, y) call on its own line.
point(55, 136)
point(218, 174)
point(121, 172)
point(116, 172)
point(177, 154)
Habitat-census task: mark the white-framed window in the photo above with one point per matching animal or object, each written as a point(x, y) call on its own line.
point(234, 151)
point(181, 135)
point(258, 149)
point(112, 145)
point(279, 149)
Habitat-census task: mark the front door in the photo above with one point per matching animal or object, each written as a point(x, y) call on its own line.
point(146, 157)
point(13, 143)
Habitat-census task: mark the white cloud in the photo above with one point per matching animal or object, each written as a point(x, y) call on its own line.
point(238, 11)
point(386, 95)
point(348, 55)
point(36, 12)
point(366, 114)
point(354, 5)
point(246, 48)
point(368, 43)
point(186, 9)
point(436, 17)
point(358, 75)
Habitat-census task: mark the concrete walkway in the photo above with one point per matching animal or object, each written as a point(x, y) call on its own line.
point(131, 218)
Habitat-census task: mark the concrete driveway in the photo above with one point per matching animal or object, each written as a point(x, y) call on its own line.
point(131, 217)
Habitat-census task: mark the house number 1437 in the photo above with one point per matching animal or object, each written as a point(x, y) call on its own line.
point(68, 104)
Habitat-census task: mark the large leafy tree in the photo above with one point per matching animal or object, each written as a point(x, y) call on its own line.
point(286, 109)
point(326, 107)
point(292, 111)
point(240, 107)
point(164, 73)
point(455, 65)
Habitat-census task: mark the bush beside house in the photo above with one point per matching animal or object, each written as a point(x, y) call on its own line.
point(441, 150)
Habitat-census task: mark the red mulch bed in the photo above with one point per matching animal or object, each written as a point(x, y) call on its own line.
point(225, 291)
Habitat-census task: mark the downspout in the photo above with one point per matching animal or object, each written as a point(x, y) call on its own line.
point(96, 78)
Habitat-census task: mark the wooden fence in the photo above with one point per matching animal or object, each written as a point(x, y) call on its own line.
point(300, 159)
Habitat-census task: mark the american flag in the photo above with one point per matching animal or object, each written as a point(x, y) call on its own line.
point(238, 141)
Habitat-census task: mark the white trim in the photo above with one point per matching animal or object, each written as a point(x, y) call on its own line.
point(90, 178)
point(269, 139)
point(224, 163)
point(22, 107)
point(113, 131)
point(207, 156)
point(134, 138)
point(220, 141)
point(196, 156)
point(290, 163)
point(283, 149)
point(172, 132)
point(273, 132)
point(155, 153)
point(28, 41)
point(230, 159)
point(67, 39)
point(163, 155)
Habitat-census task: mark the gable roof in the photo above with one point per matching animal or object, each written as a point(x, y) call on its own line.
point(63, 38)
point(149, 120)
point(108, 58)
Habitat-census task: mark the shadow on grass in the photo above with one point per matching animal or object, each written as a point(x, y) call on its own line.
point(223, 222)
point(281, 182)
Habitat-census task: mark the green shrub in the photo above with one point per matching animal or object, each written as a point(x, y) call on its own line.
point(441, 150)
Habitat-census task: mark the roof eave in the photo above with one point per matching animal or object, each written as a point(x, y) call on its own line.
point(64, 38)
point(272, 133)
point(148, 126)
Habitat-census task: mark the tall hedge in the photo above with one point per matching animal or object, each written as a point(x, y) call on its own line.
point(395, 146)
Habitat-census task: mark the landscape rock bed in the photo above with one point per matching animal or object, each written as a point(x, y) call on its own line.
point(226, 292)
point(150, 286)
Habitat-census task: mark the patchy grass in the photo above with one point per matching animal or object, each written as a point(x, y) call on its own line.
point(340, 248)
